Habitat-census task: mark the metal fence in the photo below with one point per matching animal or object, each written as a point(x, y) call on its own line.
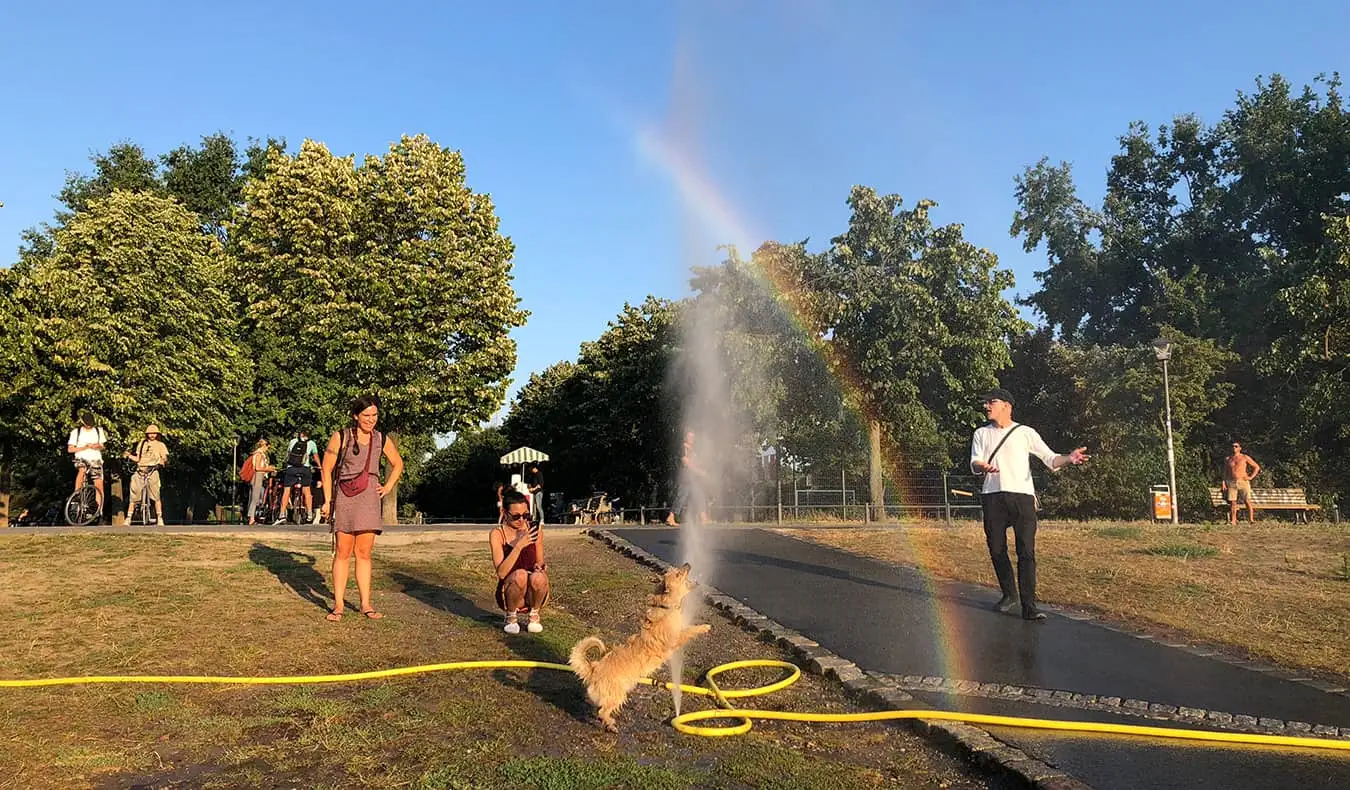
point(933, 496)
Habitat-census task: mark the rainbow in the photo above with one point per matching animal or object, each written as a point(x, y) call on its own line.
point(707, 204)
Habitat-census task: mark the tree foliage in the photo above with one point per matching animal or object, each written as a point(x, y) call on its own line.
point(607, 421)
point(916, 323)
point(390, 277)
point(1224, 233)
point(129, 316)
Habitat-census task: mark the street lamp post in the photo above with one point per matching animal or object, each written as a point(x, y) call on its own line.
point(1162, 349)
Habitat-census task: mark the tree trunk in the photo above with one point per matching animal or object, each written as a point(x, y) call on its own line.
point(876, 484)
point(389, 504)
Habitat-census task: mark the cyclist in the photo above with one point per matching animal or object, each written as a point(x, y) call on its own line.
point(86, 444)
point(299, 452)
point(150, 457)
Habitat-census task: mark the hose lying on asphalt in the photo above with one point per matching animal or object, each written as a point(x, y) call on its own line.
point(744, 718)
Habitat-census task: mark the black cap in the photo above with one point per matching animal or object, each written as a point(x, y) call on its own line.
point(1000, 394)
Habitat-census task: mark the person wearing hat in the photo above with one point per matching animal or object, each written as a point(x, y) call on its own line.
point(1001, 450)
point(150, 457)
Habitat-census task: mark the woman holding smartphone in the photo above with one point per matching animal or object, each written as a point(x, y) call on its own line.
point(518, 556)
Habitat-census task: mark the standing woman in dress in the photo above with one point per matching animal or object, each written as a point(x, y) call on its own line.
point(354, 501)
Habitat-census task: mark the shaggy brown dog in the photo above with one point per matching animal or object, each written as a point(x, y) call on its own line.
point(609, 678)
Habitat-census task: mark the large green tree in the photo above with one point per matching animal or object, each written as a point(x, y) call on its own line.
point(127, 315)
point(916, 324)
point(388, 277)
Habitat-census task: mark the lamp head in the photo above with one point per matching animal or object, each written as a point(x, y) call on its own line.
point(1162, 349)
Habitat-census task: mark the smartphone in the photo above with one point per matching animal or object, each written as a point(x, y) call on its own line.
point(534, 531)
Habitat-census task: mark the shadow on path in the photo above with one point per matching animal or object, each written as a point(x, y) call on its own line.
point(559, 689)
point(295, 570)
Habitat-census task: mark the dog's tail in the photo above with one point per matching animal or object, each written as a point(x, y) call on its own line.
point(580, 662)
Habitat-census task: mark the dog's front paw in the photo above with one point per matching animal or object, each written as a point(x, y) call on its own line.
point(701, 629)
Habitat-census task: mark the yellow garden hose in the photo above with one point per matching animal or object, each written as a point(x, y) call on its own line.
point(744, 718)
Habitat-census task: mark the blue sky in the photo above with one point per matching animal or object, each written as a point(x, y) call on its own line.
point(623, 141)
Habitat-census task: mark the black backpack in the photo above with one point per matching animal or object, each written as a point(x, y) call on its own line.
point(296, 456)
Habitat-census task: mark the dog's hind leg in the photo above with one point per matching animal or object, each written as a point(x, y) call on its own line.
point(607, 717)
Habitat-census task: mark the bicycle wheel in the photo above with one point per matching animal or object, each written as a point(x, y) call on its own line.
point(83, 507)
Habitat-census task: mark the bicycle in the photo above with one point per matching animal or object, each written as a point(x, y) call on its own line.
point(296, 513)
point(85, 506)
point(143, 506)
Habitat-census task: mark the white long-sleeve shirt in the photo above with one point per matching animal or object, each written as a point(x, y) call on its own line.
point(1013, 460)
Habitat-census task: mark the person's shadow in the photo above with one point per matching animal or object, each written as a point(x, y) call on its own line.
point(559, 689)
point(295, 570)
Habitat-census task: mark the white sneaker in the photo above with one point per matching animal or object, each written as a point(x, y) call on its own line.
point(535, 626)
point(511, 627)
point(161, 522)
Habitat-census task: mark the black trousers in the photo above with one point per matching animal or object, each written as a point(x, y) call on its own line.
point(1003, 509)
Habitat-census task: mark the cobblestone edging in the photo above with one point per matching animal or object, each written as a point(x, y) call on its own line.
point(873, 688)
point(1215, 654)
point(1180, 714)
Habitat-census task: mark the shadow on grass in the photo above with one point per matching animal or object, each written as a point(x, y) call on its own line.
point(295, 570)
point(559, 689)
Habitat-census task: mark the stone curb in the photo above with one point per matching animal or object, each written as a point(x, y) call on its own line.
point(871, 688)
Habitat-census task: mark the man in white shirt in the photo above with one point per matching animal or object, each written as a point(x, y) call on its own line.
point(1001, 450)
point(86, 444)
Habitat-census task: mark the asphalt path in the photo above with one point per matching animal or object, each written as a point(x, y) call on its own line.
point(892, 619)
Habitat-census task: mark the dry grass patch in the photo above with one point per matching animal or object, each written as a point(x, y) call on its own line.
point(1277, 591)
point(156, 604)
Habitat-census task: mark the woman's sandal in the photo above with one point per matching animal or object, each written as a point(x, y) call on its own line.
point(333, 617)
point(371, 614)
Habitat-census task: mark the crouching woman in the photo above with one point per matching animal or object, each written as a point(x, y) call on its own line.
point(518, 556)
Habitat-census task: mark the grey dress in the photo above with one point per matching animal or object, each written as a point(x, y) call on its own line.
point(360, 513)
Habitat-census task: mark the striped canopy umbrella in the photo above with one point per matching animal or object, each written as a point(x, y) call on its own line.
point(522, 456)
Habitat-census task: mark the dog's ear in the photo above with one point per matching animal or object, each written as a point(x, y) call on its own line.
point(686, 568)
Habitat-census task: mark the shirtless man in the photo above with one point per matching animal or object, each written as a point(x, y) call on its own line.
point(1238, 472)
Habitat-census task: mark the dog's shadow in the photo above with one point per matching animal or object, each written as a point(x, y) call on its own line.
point(560, 689)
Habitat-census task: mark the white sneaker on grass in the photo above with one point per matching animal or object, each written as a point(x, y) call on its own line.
point(535, 626)
point(511, 627)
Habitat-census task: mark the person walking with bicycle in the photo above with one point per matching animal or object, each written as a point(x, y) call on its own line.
point(150, 456)
point(353, 495)
point(262, 468)
point(299, 452)
point(86, 445)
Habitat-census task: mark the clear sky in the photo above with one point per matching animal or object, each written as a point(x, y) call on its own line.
point(622, 141)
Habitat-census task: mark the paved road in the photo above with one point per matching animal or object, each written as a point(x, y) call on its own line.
point(885, 618)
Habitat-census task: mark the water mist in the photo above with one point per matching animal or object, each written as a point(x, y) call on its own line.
point(709, 430)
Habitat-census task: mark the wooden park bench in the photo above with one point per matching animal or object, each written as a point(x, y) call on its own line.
point(1293, 499)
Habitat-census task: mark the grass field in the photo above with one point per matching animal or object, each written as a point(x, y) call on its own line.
point(164, 604)
point(1273, 590)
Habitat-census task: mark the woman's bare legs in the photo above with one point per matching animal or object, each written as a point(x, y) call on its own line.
point(365, 541)
point(341, 557)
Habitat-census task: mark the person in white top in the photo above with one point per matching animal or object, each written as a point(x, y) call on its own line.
point(86, 444)
point(1001, 450)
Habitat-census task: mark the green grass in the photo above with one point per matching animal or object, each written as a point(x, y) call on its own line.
point(1120, 532)
point(145, 604)
point(1186, 551)
point(545, 773)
